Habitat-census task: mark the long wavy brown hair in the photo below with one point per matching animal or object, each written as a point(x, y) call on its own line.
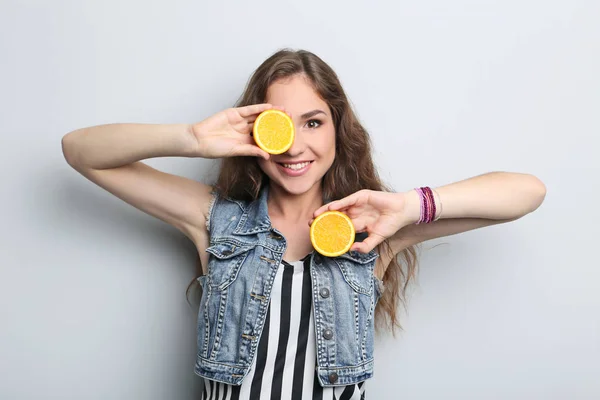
point(352, 170)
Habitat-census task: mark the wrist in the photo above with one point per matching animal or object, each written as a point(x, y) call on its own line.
point(412, 206)
point(192, 145)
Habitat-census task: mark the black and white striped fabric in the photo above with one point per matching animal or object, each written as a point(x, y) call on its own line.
point(284, 366)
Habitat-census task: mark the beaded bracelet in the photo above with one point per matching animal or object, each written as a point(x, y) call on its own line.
point(428, 205)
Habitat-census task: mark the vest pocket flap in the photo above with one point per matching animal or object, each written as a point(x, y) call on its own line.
point(361, 258)
point(357, 269)
point(225, 250)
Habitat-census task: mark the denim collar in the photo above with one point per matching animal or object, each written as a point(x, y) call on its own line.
point(255, 218)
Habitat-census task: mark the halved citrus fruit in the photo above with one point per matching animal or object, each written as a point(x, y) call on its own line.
point(332, 233)
point(273, 131)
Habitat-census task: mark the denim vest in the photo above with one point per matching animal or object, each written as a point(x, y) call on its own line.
point(245, 252)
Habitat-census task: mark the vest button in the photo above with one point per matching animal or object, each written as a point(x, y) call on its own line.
point(327, 334)
point(333, 377)
point(227, 252)
point(324, 293)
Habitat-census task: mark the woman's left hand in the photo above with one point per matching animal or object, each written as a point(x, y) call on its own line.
point(379, 214)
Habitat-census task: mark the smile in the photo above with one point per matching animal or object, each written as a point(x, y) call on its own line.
point(297, 166)
point(295, 169)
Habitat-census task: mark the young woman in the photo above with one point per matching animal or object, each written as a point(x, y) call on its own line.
point(276, 319)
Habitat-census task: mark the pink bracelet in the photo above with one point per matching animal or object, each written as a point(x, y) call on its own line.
point(428, 206)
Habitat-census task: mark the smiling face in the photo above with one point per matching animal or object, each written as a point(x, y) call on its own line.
point(310, 157)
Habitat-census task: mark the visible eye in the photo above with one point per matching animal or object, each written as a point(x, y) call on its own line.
point(313, 123)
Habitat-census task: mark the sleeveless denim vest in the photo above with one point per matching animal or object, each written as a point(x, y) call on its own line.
point(245, 252)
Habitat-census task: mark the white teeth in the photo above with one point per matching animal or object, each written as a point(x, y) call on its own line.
point(296, 166)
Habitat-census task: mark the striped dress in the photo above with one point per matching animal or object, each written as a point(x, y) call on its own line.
point(284, 365)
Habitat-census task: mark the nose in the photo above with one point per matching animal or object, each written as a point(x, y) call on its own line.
point(298, 146)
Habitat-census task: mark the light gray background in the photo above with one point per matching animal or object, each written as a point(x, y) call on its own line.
point(92, 291)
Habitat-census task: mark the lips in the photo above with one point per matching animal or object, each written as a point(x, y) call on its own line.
point(294, 168)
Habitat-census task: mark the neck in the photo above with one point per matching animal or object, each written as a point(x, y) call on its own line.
point(294, 207)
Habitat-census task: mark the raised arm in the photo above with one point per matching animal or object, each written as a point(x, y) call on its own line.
point(110, 156)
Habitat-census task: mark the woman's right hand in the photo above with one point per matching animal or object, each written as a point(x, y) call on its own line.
point(228, 133)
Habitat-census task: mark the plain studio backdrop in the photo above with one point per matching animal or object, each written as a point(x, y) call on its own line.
point(92, 290)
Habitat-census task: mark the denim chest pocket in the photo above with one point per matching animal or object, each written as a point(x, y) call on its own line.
point(357, 269)
point(225, 262)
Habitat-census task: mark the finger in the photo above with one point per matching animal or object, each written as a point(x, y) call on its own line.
point(253, 109)
point(319, 211)
point(251, 150)
point(346, 202)
point(338, 205)
point(327, 207)
point(368, 244)
point(252, 118)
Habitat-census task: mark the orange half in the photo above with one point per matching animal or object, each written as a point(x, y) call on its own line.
point(273, 131)
point(332, 233)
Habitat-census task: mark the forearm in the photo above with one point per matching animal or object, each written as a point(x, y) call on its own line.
point(115, 145)
point(495, 195)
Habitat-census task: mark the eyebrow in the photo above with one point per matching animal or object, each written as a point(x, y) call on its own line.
point(312, 114)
